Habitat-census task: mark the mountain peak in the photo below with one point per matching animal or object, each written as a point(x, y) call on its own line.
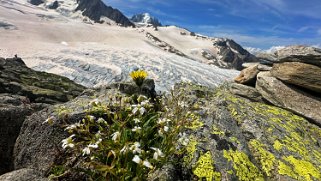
point(145, 19)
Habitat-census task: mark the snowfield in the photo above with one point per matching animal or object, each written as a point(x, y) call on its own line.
point(96, 54)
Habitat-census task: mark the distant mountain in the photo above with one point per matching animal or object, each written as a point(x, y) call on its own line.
point(96, 10)
point(145, 19)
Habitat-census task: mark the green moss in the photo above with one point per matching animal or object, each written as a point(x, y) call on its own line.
point(267, 159)
point(204, 168)
point(304, 169)
point(190, 149)
point(244, 168)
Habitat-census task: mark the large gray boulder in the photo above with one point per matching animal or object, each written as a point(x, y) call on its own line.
point(290, 98)
point(304, 54)
point(300, 74)
point(248, 75)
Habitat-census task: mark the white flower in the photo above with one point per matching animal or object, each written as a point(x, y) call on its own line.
point(135, 109)
point(136, 128)
point(115, 136)
point(136, 121)
point(158, 153)
point(86, 151)
point(166, 128)
point(146, 102)
point(163, 121)
point(124, 149)
point(68, 142)
point(183, 139)
point(183, 104)
point(142, 110)
point(137, 160)
point(49, 120)
point(101, 121)
point(136, 148)
point(94, 102)
point(93, 146)
point(147, 164)
point(91, 118)
point(73, 126)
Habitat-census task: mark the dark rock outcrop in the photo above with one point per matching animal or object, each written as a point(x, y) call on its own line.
point(16, 78)
point(53, 5)
point(232, 53)
point(287, 97)
point(96, 9)
point(145, 19)
point(304, 75)
point(36, 2)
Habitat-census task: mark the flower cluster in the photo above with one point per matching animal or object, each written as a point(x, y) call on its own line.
point(130, 130)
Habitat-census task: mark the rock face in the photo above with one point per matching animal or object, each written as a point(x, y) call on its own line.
point(233, 55)
point(233, 139)
point(13, 111)
point(301, 74)
point(53, 5)
point(16, 78)
point(248, 75)
point(145, 19)
point(290, 98)
point(23, 175)
point(96, 9)
point(246, 91)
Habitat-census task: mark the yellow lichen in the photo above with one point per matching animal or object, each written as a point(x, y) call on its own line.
point(304, 169)
point(204, 168)
point(217, 131)
point(190, 149)
point(286, 170)
point(235, 140)
point(266, 158)
point(245, 169)
point(277, 145)
point(194, 122)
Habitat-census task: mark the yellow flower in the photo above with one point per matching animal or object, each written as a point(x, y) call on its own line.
point(138, 77)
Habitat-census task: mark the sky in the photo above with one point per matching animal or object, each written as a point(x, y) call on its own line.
point(252, 23)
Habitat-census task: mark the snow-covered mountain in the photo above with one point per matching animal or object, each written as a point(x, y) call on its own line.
point(88, 10)
point(145, 19)
point(58, 41)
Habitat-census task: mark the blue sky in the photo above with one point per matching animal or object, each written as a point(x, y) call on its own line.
point(252, 23)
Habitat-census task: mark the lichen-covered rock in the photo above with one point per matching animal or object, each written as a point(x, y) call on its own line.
point(248, 75)
point(300, 74)
point(23, 175)
point(291, 98)
point(243, 140)
point(17, 78)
